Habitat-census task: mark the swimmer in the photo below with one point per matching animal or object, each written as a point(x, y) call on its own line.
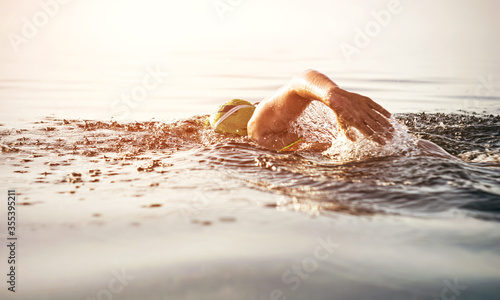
point(269, 123)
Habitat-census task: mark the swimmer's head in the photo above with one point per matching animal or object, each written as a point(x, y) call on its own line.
point(232, 117)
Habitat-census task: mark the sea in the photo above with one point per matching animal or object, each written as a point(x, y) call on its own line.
point(123, 192)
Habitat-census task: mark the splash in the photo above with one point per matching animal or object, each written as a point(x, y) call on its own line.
point(70, 156)
point(318, 124)
point(472, 137)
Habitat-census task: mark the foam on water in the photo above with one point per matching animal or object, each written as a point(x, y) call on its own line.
point(152, 196)
point(354, 177)
point(318, 124)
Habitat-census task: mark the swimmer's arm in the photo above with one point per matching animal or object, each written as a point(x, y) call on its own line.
point(271, 121)
point(352, 110)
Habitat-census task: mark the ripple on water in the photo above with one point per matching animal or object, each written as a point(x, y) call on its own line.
point(352, 177)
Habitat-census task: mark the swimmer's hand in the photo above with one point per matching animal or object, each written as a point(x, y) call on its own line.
point(362, 113)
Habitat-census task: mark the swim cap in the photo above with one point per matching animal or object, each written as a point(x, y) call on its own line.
point(232, 117)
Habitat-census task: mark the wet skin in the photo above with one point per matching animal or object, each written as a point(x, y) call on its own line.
point(270, 125)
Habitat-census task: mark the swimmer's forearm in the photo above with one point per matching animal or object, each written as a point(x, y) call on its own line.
point(270, 124)
point(352, 110)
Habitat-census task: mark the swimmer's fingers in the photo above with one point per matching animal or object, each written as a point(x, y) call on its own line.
point(381, 116)
point(348, 133)
point(369, 132)
point(384, 123)
point(375, 106)
point(377, 132)
point(366, 130)
point(381, 125)
point(363, 123)
point(362, 113)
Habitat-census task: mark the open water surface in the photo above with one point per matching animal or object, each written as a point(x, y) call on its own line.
point(190, 214)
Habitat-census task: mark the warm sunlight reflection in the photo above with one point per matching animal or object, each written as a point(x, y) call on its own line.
point(132, 26)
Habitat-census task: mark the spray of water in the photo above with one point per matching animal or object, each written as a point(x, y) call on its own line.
point(318, 123)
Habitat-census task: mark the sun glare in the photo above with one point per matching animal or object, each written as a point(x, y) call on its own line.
point(114, 26)
point(135, 24)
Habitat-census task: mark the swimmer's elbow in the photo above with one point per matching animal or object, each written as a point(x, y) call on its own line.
point(307, 73)
point(313, 85)
point(305, 76)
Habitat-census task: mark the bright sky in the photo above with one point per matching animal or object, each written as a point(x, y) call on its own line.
point(143, 25)
point(55, 40)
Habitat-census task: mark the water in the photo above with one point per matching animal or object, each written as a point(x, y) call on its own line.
point(190, 214)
